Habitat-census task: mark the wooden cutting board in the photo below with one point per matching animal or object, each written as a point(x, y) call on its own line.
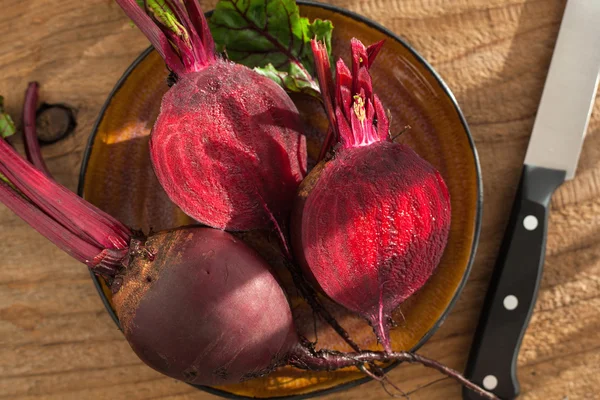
point(57, 341)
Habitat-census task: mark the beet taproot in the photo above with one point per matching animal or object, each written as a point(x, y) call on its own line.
point(227, 146)
point(194, 303)
point(205, 309)
point(370, 224)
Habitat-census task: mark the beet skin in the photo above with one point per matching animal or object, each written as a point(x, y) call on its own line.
point(194, 303)
point(205, 310)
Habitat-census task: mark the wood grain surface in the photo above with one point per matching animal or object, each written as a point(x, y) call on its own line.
point(57, 341)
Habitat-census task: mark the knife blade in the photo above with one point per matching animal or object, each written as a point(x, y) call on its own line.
point(552, 156)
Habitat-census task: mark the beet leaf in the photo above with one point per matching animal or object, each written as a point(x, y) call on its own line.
point(7, 126)
point(271, 37)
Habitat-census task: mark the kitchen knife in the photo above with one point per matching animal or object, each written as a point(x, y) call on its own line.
point(552, 155)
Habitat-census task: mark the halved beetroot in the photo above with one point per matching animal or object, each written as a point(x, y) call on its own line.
point(371, 223)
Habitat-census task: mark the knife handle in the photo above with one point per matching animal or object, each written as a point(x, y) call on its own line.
point(513, 289)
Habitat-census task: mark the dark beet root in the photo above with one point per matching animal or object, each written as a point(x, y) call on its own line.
point(227, 146)
point(370, 225)
point(205, 309)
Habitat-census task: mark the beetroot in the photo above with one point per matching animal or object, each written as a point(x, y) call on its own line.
point(370, 224)
point(227, 145)
point(186, 312)
point(194, 303)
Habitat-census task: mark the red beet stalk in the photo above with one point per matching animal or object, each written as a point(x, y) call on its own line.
point(32, 144)
point(85, 232)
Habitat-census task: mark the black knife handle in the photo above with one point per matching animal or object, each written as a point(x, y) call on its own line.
point(513, 289)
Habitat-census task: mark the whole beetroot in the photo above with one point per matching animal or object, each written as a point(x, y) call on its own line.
point(186, 311)
point(370, 224)
point(227, 146)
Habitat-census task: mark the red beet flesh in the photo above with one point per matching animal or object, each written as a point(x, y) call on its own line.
point(373, 229)
point(370, 225)
point(227, 147)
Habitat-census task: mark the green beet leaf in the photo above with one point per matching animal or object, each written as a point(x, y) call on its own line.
point(7, 126)
point(271, 37)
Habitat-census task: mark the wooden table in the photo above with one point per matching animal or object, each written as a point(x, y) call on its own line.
point(57, 341)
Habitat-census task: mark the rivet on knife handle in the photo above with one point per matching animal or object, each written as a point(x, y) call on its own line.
point(513, 289)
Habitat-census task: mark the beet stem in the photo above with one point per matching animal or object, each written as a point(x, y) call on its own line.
point(44, 224)
point(153, 33)
point(323, 68)
point(326, 143)
point(359, 119)
point(373, 50)
point(183, 53)
point(196, 47)
point(201, 25)
point(82, 230)
point(14, 175)
point(32, 144)
point(74, 213)
point(307, 358)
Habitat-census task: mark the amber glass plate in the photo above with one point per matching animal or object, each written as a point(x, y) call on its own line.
point(117, 176)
